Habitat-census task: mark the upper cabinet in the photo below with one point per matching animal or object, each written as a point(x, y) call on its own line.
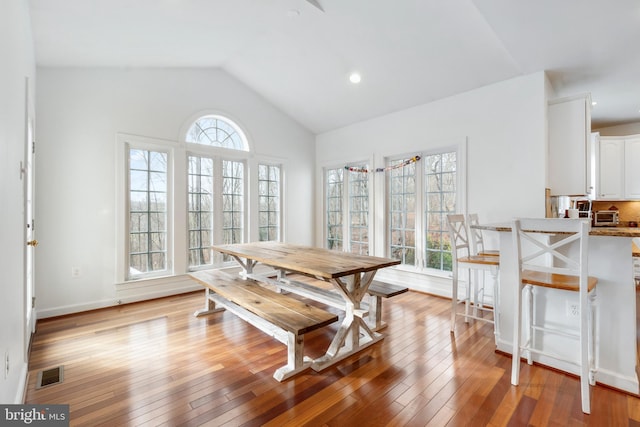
point(619, 167)
point(569, 148)
point(611, 169)
point(632, 168)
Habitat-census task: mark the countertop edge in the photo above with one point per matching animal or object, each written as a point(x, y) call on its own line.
point(595, 231)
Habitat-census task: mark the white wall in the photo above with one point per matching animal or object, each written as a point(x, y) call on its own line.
point(506, 132)
point(81, 111)
point(17, 59)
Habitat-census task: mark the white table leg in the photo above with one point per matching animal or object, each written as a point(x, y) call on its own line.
point(353, 334)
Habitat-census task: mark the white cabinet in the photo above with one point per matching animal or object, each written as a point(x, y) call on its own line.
point(611, 170)
point(569, 152)
point(632, 168)
point(619, 168)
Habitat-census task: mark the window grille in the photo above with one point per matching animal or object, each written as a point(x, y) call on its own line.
point(147, 211)
point(269, 202)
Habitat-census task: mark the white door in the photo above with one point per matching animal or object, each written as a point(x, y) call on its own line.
point(31, 243)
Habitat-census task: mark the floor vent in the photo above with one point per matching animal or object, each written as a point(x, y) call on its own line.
point(49, 377)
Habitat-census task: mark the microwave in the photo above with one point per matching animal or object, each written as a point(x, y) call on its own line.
point(605, 218)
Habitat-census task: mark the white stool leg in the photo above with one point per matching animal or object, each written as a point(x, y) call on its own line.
point(593, 333)
point(454, 297)
point(531, 321)
point(467, 299)
point(517, 316)
point(496, 303)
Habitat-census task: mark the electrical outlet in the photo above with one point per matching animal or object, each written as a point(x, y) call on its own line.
point(75, 272)
point(573, 309)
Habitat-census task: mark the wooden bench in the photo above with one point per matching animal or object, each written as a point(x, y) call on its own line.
point(378, 290)
point(285, 318)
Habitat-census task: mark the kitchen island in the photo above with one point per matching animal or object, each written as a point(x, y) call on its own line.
point(610, 260)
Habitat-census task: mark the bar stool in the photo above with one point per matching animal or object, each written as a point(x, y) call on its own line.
point(462, 258)
point(558, 260)
point(477, 240)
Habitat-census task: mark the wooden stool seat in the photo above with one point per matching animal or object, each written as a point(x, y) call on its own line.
point(480, 259)
point(556, 281)
point(490, 252)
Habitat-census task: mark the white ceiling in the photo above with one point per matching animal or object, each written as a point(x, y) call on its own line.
point(298, 55)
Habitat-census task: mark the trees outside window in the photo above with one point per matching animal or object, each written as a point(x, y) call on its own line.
point(180, 198)
point(347, 209)
point(269, 202)
point(147, 185)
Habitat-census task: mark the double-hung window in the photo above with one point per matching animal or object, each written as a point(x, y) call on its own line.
point(334, 184)
point(347, 209)
point(402, 211)
point(148, 207)
point(269, 202)
point(200, 210)
point(440, 194)
point(420, 196)
point(216, 206)
point(358, 226)
point(233, 201)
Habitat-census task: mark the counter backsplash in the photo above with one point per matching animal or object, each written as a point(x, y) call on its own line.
point(628, 211)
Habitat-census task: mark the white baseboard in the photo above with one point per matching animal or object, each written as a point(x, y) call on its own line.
point(21, 392)
point(127, 293)
point(628, 384)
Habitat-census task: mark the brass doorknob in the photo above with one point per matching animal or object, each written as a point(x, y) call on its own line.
point(33, 243)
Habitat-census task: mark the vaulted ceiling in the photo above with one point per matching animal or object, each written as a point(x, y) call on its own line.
point(298, 54)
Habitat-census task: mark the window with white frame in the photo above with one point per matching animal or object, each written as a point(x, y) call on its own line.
point(200, 210)
point(334, 182)
point(347, 209)
point(180, 198)
point(268, 202)
point(358, 210)
point(440, 192)
point(420, 196)
point(147, 219)
point(232, 201)
point(402, 211)
point(214, 216)
point(217, 131)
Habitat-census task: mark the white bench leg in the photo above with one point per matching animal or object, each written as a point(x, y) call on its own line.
point(209, 305)
point(296, 360)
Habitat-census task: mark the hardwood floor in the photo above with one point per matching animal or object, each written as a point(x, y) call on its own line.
point(154, 363)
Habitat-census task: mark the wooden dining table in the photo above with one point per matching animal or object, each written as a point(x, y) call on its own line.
point(349, 274)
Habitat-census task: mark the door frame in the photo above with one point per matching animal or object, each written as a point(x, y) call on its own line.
point(28, 177)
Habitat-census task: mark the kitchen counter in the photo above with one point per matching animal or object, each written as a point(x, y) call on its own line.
point(595, 231)
point(615, 231)
point(616, 344)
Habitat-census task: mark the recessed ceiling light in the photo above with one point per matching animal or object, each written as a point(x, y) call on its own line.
point(594, 103)
point(355, 78)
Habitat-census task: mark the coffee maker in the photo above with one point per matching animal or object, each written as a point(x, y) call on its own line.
point(584, 208)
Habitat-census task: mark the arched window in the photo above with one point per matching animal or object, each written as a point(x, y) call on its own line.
point(217, 131)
